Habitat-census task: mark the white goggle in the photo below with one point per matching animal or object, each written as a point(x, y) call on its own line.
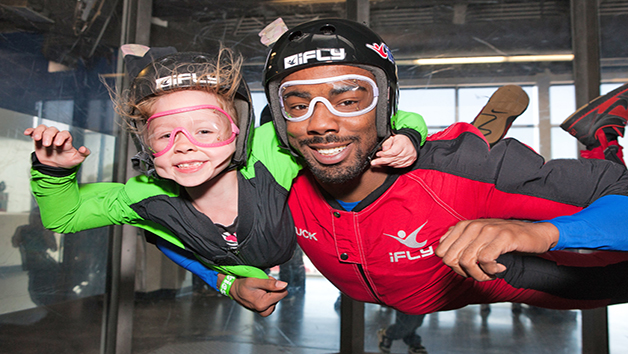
point(344, 96)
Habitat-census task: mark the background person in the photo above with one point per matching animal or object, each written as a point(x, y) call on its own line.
point(34, 241)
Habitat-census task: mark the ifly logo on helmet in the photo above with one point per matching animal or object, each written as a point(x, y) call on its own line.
point(382, 50)
point(323, 54)
point(187, 79)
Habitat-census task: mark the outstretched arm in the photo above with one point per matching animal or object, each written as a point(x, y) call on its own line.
point(602, 225)
point(186, 260)
point(258, 295)
point(65, 206)
point(471, 248)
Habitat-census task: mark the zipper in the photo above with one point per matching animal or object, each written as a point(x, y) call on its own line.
point(363, 273)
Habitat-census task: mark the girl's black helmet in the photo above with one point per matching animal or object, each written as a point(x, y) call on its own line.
point(329, 42)
point(163, 69)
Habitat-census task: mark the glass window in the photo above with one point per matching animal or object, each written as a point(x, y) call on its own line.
point(45, 276)
point(437, 106)
point(472, 100)
point(52, 285)
point(562, 105)
point(259, 103)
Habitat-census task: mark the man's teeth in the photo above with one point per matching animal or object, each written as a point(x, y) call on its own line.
point(188, 165)
point(333, 151)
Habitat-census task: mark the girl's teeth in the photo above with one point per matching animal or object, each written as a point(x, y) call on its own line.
point(188, 165)
point(329, 152)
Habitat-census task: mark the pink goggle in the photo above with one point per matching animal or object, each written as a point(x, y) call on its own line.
point(203, 136)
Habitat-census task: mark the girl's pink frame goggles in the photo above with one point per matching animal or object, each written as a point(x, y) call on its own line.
point(234, 129)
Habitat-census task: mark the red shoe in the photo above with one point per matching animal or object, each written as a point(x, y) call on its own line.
point(607, 113)
point(504, 106)
point(606, 150)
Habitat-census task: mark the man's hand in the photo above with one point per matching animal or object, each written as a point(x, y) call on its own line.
point(54, 147)
point(259, 295)
point(397, 151)
point(471, 247)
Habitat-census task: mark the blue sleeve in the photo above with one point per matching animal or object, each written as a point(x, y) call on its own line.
point(602, 225)
point(187, 260)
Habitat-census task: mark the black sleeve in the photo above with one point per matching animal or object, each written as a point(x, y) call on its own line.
point(608, 282)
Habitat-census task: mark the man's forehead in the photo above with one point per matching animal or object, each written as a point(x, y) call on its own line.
point(323, 71)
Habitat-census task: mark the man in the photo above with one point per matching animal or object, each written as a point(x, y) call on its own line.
point(372, 232)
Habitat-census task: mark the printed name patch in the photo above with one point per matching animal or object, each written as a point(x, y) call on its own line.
point(323, 54)
point(187, 79)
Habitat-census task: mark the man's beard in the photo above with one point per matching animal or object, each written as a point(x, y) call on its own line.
point(344, 171)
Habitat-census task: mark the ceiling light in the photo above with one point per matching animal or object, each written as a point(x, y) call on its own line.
point(486, 60)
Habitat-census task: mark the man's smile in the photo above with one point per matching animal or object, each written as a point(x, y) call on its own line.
point(331, 154)
point(331, 151)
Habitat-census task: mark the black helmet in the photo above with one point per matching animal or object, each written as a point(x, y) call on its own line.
point(179, 70)
point(332, 41)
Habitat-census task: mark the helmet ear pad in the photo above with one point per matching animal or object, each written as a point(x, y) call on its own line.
point(384, 110)
point(246, 118)
point(278, 120)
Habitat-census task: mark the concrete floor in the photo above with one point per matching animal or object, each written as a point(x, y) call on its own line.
point(306, 324)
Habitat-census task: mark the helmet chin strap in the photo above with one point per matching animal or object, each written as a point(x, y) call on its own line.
point(378, 147)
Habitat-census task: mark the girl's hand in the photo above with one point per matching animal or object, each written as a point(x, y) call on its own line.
point(397, 151)
point(54, 147)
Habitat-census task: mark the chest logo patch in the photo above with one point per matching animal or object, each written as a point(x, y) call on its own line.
point(411, 240)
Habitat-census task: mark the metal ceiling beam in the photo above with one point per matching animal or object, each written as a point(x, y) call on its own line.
point(359, 11)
